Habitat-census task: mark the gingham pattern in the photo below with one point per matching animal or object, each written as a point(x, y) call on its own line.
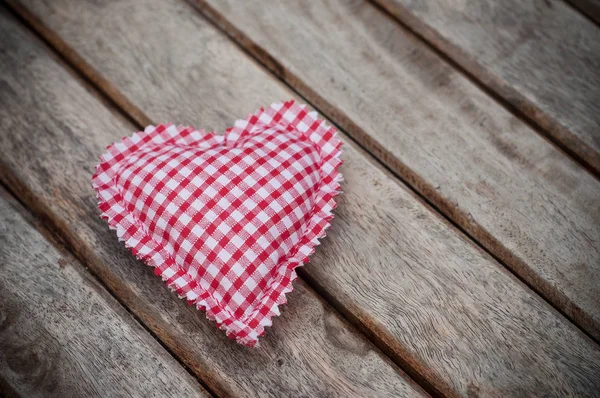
point(225, 220)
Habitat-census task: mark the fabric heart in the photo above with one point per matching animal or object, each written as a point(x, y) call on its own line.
point(225, 219)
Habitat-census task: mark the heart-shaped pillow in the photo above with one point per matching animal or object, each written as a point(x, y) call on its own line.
point(225, 219)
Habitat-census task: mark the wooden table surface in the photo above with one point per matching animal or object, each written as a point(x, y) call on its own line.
point(464, 259)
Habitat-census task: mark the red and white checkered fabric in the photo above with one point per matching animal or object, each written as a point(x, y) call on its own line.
point(225, 219)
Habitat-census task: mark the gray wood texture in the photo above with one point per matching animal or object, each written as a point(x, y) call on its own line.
point(437, 303)
point(542, 56)
point(514, 192)
point(48, 155)
point(63, 335)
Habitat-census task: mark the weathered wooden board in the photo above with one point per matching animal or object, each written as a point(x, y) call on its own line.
point(514, 192)
point(63, 335)
point(437, 303)
point(591, 8)
point(48, 154)
point(542, 56)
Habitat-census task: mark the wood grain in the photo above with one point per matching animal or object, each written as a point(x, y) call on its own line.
point(62, 334)
point(309, 351)
point(516, 194)
point(435, 302)
point(542, 56)
point(591, 8)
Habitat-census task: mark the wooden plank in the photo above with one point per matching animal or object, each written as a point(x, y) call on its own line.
point(512, 191)
point(591, 8)
point(435, 302)
point(541, 56)
point(310, 350)
point(62, 334)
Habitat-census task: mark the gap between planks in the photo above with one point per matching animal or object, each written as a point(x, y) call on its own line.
point(389, 9)
point(89, 78)
point(216, 19)
point(480, 235)
point(36, 228)
point(108, 93)
point(588, 8)
point(53, 233)
point(449, 214)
